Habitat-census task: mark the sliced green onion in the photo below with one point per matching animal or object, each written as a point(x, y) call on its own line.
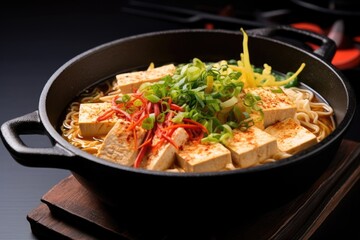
point(229, 103)
point(165, 107)
point(193, 73)
point(250, 99)
point(245, 124)
point(161, 117)
point(148, 122)
point(184, 69)
point(277, 90)
point(152, 98)
point(224, 139)
point(124, 98)
point(144, 86)
point(179, 117)
point(227, 128)
point(232, 62)
point(211, 138)
point(138, 103)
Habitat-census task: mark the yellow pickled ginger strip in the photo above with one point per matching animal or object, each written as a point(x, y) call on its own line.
point(252, 79)
point(273, 82)
point(151, 66)
point(248, 71)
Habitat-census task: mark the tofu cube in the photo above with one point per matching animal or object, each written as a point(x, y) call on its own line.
point(291, 136)
point(88, 124)
point(250, 147)
point(130, 82)
point(275, 104)
point(203, 157)
point(119, 145)
point(164, 158)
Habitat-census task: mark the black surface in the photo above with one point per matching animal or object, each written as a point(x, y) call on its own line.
point(36, 39)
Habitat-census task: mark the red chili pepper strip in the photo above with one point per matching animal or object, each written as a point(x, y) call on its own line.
point(190, 133)
point(159, 130)
point(160, 133)
point(196, 137)
point(106, 115)
point(156, 109)
point(113, 100)
point(137, 123)
point(140, 156)
point(169, 116)
point(196, 123)
point(127, 116)
point(149, 106)
point(176, 107)
point(143, 149)
point(136, 115)
point(157, 146)
point(145, 143)
point(135, 139)
point(170, 141)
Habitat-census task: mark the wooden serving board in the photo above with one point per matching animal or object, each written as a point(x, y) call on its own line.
point(68, 211)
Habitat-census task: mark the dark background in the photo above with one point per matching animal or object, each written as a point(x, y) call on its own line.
point(35, 40)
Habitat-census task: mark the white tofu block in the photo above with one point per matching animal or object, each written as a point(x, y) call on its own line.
point(250, 147)
point(88, 124)
point(291, 136)
point(119, 145)
point(165, 156)
point(130, 82)
point(203, 157)
point(275, 104)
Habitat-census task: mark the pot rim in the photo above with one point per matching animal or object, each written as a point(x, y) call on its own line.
point(313, 150)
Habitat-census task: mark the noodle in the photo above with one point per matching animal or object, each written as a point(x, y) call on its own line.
point(311, 114)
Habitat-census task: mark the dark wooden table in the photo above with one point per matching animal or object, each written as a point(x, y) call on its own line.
point(35, 40)
point(69, 211)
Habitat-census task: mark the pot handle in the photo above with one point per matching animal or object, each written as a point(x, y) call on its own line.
point(327, 47)
point(52, 157)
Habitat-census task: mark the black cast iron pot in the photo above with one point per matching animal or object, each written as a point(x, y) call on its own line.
point(137, 192)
